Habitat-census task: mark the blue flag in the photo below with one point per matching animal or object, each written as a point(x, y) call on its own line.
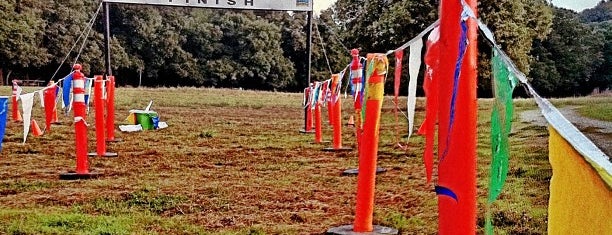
point(3, 112)
point(66, 87)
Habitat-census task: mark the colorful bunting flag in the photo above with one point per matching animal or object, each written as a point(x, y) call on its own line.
point(305, 100)
point(42, 100)
point(430, 85)
point(66, 90)
point(501, 124)
point(414, 64)
point(463, 43)
point(27, 101)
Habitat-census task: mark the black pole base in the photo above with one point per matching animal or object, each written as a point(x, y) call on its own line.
point(348, 230)
point(115, 140)
point(343, 149)
point(75, 176)
point(355, 171)
point(107, 154)
point(307, 132)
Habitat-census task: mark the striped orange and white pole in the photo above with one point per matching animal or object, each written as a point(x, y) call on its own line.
point(100, 130)
point(356, 77)
point(80, 128)
point(14, 105)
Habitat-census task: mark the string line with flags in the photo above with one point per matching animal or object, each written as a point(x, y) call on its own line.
point(65, 96)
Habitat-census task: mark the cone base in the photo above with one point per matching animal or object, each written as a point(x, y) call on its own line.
point(355, 171)
point(343, 149)
point(115, 140)
point(322, 142)
point(107, 154)
point(348, 230)
point(74, 176)
point(307, 132)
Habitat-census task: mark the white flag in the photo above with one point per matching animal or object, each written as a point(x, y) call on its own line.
point(27, 101)
point(42, 100)
point(414, 64)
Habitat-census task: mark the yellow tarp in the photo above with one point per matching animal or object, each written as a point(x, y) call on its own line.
point(580, 201)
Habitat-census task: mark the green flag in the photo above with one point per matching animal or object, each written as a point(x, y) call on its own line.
point(504, 83)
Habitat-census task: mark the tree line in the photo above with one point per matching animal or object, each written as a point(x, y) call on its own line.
point(564, 52)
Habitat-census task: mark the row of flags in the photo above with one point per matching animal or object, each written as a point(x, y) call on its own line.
point(60, 91)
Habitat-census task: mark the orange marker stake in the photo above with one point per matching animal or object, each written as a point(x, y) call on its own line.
point(336, 117)
point(318, 134)
point(80, 128)
point(366, 178)
point(100, 130)
point(457, 146)
point(364, 209)
point(308, 118)
point(110, 110)
point(49, 99)
point(14, 105)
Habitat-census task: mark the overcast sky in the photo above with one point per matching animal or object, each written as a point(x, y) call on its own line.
point(577, 5)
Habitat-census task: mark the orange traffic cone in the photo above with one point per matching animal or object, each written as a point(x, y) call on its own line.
point(55, 119)
point(351, 121)
point(19, 118)
point(35, 128)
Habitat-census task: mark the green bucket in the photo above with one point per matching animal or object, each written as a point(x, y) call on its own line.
point(145, 119)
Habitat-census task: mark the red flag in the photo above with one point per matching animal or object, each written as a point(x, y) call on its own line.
point(430, 86)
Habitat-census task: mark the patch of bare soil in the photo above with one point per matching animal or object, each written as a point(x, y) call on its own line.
point(600, 132)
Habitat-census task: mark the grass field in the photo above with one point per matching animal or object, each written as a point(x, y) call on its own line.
point(233, 162)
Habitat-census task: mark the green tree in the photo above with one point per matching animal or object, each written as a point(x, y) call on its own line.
point(602, 77)
point(573, 50)
point(516, 24)
point(21, 36)
point(600, 13)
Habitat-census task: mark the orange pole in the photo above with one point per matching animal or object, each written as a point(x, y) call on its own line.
point(318, 135)
point(306, 95)
point(49, 99)
point(457, 141)
point(14, 104)
point(110, 109)
point(356, 77)
point(99, 103)
point(366, 178)
point(55, 119)
point(80, 114)
point(308, 118)
point(337, 113)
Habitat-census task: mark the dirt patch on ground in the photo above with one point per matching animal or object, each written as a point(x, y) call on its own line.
point(600, 132)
